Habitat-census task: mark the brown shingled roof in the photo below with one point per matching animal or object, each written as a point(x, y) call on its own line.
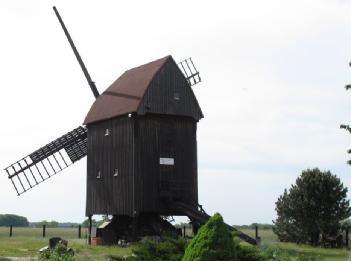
point(125, 94)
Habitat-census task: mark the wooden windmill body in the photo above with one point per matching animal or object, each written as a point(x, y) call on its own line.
point(139, 137)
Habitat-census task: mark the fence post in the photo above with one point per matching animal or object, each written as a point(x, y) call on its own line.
point(10, 230)
point(89, 230)
point(79, 231)
point(256, 232)
point(184, 231)
point(44, 227)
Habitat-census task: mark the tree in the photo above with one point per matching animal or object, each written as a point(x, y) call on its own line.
point(52, 223)
point(312, 209)
point(14, 220)
point(213, 242)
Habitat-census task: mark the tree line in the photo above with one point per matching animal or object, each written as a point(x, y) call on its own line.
point(14, 220)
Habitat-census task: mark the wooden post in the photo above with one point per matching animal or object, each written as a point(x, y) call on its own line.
point(89, 231)
point(10, 230)
point(256, 232)
point(79, 231)
point(184, 231)
point(44, 230)
point(347, 236)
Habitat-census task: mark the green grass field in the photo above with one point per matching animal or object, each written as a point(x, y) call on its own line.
point(269, 239)
point(27, 242)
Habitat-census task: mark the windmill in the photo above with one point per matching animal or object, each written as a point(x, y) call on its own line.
point(139, 137)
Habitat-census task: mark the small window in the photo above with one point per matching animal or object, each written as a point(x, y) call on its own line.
point(98, 175)
point(115, 174)
point(107, 132)
point(176, 96)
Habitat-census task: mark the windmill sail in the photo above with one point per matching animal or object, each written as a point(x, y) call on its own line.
point(190, 72)
point(76, 53)
point(48, 160)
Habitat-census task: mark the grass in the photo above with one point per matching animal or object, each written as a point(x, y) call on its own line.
point(269, 239)
point(27, 242)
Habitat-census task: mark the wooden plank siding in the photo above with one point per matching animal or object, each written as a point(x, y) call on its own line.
point(165, 137)
point(169, 93)
point(110, 194)
point(153, 185)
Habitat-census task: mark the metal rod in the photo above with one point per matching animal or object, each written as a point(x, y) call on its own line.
point(39, 172)
point(47, 172)
point(58, 164)
point(24, 189)
point(31, 171)
point(19, 179)
point(24, 174)
point(186, 74)
point(51, 166)
point(13, 183)
point(193, 64)
point(63, 158)
point(186, 62)
point(79, 59)
point(58, 150)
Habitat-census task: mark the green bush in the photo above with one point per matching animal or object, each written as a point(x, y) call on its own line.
point(212, 242)
point(59, 253)
point(166, 250)
point(249, 253)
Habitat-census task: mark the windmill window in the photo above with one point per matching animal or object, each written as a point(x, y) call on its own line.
point(176, 96)
point(107, 132)
point(98, 175)
point(115, 174)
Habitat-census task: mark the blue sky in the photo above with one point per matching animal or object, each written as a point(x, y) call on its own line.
point(272, 92)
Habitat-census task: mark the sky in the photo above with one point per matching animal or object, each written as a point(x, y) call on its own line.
point(272, 91)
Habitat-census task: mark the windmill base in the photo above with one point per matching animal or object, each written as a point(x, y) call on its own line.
point(122, 229)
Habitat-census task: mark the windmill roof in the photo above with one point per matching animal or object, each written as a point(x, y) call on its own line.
point(126, 93)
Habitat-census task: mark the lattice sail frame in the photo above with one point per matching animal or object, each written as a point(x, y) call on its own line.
point(190, 72)
point(49, 160)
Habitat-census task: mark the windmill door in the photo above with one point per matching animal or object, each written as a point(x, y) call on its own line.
point(166, 160)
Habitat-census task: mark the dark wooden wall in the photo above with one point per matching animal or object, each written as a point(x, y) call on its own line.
point(134, 146)
point(160, 95)
point(158, 185)
point(110, 194)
